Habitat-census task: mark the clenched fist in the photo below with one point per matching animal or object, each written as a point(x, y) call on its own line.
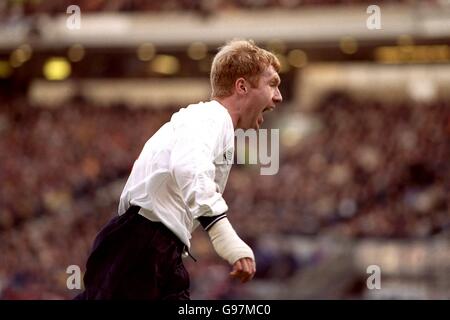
point(243, 269)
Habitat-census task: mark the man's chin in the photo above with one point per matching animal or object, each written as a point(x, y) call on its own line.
point(252, 127)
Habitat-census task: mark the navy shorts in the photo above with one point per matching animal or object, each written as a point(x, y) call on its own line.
point(135, 258)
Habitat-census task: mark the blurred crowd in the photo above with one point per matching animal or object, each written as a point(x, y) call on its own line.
point(206, 6)
point(371, 169)
point(54, 154)
point(54, 165)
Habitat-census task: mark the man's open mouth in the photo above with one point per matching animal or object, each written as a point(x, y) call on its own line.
point(268, 109)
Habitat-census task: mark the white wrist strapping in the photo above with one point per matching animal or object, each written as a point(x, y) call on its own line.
point(227, 243)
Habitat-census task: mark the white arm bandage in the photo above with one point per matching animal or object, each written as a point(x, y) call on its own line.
point(227, 243)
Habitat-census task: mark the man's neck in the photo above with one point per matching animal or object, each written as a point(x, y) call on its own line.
point(231, 106)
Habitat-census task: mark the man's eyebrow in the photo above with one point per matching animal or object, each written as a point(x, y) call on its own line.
point(276, 78)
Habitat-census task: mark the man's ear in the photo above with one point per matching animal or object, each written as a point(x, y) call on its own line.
point(240, 86)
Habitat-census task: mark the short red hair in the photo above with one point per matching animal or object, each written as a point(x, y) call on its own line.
point(239, 59)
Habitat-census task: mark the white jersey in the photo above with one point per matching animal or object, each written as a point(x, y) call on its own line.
point(183, 168)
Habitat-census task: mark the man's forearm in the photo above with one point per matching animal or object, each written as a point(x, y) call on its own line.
point(227, 243)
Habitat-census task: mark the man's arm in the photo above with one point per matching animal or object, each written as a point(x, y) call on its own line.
point(193, 170)
point(230, 247)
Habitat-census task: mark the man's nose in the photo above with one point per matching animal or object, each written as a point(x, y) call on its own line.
point(277, 98)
